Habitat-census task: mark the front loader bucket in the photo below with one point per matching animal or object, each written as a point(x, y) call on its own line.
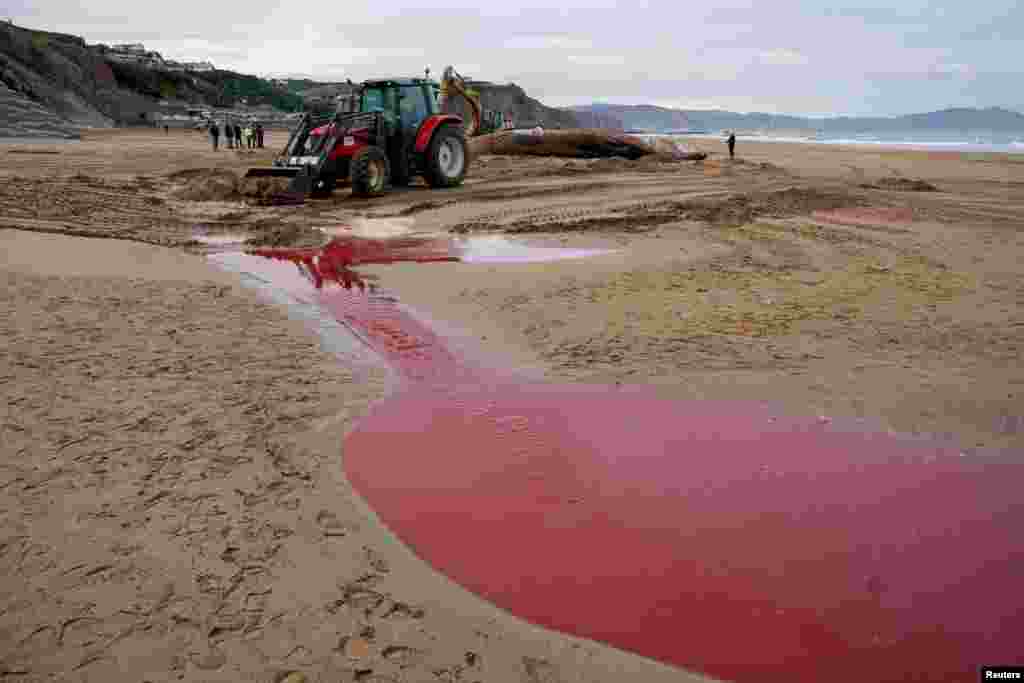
point(272, 172)
point(301, 184)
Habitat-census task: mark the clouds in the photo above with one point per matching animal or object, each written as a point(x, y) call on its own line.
point(788, 56)
point(783, 57)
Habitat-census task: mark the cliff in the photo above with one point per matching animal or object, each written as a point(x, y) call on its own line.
point(57, 72)
point(21, 117)
point(526, 111)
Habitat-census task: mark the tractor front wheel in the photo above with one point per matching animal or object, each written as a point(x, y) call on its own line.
point(369, 172)
point(324, 185)
point(447, 158)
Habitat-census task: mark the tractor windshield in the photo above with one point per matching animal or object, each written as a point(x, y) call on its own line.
point(414, 105)
point(373, 100)
point(380, 98)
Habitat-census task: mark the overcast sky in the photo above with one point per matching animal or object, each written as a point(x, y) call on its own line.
point(876, 57)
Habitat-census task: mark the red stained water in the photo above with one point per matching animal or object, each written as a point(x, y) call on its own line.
point(709, 535)
point(333, 262)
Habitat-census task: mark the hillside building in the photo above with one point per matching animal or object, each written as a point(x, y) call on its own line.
point(136, 53)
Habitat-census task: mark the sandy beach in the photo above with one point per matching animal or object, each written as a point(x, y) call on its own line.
point(172, 502)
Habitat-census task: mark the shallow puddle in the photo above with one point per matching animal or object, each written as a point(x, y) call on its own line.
point(222, 241)
point(501, 249)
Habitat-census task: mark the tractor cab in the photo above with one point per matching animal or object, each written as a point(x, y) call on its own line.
point(404, 102)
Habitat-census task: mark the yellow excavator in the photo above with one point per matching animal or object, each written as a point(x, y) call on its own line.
point(483, 121)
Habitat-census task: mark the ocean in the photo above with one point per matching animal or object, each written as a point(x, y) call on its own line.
point(1011, 144)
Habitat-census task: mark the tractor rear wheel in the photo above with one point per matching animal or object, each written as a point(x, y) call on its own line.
point(369, 172)
point(447, 158)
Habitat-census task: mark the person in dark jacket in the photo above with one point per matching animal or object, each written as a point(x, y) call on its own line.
point(238, 135)
point(215, 134)
point(732, 145)
point(259, 135)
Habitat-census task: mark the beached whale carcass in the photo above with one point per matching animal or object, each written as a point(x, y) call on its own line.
point(577, 143)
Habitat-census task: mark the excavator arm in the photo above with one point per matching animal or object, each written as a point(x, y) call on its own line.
point(452, 81)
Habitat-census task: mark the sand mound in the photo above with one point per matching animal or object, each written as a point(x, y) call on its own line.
point(262, 188)
point(739, 209)
point(218, 184)
point(210, 184)
point(187, 174)
point(904, 185)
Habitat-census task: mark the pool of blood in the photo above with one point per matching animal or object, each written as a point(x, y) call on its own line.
point(722, 537)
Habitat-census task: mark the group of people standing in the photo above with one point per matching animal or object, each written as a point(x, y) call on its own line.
point(235, 135)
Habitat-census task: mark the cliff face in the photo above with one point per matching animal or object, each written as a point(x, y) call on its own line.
point(59, 73)
point(21, 117)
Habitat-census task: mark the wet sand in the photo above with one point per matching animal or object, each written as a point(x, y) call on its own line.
point(202, 531)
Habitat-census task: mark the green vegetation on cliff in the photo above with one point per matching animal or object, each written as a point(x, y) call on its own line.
point(235, 87)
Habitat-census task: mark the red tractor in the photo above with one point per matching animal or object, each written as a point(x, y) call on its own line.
point(396, 132)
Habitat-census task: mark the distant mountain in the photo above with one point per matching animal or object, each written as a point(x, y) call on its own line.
point(964, 120)
point(631, 117)
point(597, 118)
point(994, 119)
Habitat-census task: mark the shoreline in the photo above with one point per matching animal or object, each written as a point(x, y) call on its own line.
point(883, 145)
